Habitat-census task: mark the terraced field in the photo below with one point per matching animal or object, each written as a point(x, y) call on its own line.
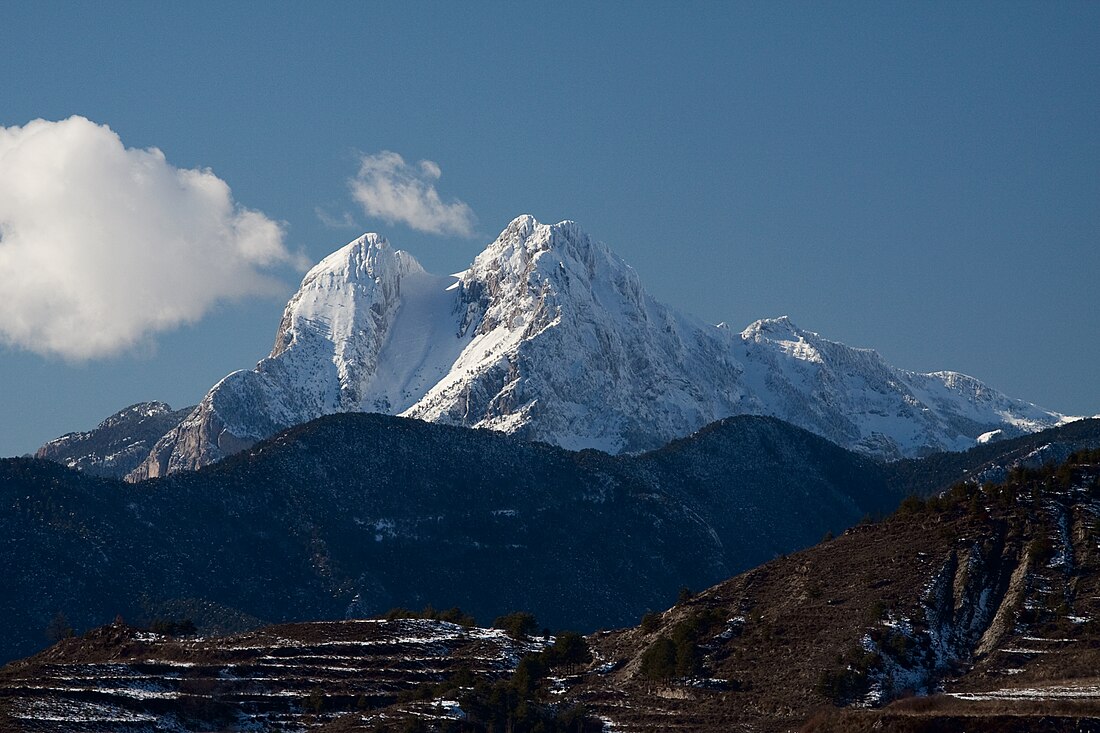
point(282, 678)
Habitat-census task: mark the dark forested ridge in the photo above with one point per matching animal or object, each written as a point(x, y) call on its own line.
point(352, 514)
point(990, 462)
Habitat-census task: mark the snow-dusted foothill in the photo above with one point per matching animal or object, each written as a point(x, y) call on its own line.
point(550, 336)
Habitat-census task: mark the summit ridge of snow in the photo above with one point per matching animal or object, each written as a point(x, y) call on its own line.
point(550, 336)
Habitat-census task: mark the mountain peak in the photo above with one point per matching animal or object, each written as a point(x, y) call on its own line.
point(522, 225)
point(370, 256)
point(119, 443)
point(525, 239)
point(336, 296)
point(775, 329)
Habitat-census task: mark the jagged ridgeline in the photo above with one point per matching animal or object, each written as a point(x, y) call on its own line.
point(550, 336)
point(975, 609)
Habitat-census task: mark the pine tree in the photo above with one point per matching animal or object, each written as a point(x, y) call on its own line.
point(59, 628)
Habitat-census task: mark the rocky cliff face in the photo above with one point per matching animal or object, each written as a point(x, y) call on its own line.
point(551, 337)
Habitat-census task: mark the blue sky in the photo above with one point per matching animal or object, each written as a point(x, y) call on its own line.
point(920, 178)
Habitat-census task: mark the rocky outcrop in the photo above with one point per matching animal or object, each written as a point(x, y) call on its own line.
point(117, 445)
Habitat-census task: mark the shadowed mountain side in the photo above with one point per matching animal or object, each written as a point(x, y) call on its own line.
point(353, 514)
point(991, 462)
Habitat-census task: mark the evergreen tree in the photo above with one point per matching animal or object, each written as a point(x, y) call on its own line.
point(518, 625)
point(59, 628)
point(659, 660)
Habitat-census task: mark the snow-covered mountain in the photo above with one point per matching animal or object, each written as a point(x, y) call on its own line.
point(550, 336)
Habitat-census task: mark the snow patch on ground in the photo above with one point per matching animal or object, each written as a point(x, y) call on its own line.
point(1032, 693)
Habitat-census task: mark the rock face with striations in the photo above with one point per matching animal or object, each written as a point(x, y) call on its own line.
point(550, 336)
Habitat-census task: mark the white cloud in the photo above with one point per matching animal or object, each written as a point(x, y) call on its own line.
point(102, 245)
point(389, 188)
point(431, 169)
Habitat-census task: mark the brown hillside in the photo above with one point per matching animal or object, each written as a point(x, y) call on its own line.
point(989, 595)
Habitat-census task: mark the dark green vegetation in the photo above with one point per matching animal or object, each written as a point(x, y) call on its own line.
point(453, 615)
point(679, 654)
point(521, 702)
point(354, 514)
point(518, 625)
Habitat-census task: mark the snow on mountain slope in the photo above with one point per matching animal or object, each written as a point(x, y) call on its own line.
point(367, 331)
point(550, 336)
point(854, 398)
point(566, 347)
